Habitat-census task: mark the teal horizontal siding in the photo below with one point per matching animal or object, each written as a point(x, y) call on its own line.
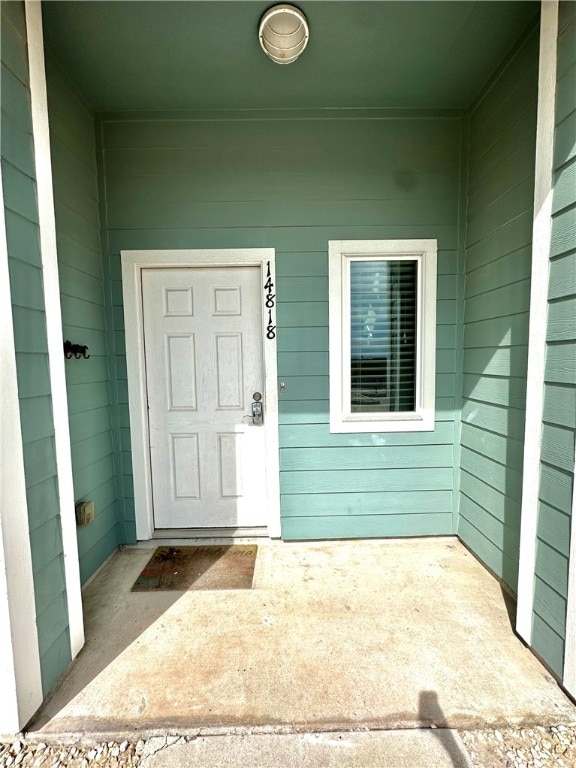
point(293, 239)
point(26, 285)
point(549, 645)
point(318, 411)
point(499, 274)
point(493, 473)
point(20, 195)
point(559, 425)
point(315, 436)
point(506, 422)
point(392, 457)
point(255, 135)
point(82, 297)
point(42, 501)
point(500, 188)
point(265, 213)
point(489, 498)
point(502, 536)
point(550, 606)
point(366, 503)
point(359, 526)
point(493, 556)
point(294, 186)
point(490, 332)
point(23, 236)
point(336, 184)
point(554, 528)
point(401, 480)
point(499, 448)
point(560, 405)
point(495, 390)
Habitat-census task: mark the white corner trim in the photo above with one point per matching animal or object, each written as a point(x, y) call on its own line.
point(54, 333)
point(19, 651)
point(132, 264)
point(569, 680)
point(541, 236)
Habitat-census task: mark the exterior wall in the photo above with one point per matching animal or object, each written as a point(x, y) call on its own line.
point(26, 283)
point(73, 149)
point(559, 424)
point(501, 151)
point(293, 184)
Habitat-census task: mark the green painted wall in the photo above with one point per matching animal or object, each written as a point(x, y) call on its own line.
point(501, 151)
point(294, 181)
point(73, 148)
point(559, 427)
point(24, 258)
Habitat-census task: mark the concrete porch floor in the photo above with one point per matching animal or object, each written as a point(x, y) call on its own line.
point(333, 636)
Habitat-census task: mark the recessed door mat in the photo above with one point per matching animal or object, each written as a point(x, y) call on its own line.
point(204, 567)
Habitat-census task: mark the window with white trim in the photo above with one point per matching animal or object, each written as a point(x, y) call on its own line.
point(382, 335)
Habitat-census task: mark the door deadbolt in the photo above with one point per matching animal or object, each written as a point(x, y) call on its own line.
point(256, 408)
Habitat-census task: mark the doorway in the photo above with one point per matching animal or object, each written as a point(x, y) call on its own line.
point(201, 351)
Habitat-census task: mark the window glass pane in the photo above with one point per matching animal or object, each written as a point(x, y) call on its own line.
point(383, 322)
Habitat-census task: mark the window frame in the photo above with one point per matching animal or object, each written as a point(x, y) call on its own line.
point(340, 255)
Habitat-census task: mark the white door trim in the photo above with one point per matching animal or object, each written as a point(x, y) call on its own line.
point(132, 264)
point(541, 236)
point(54, 334)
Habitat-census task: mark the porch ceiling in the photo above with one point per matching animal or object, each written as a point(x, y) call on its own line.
point(191, 55)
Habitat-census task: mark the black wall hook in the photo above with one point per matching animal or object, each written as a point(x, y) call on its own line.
point(78, 350)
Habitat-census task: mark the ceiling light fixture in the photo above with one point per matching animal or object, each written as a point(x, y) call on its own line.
point(283, 33)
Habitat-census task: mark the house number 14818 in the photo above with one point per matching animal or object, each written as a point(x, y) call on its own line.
point(269, 302)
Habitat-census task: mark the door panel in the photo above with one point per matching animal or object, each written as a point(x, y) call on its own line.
point(229, 374)
point(203, 347)
point(181, 372)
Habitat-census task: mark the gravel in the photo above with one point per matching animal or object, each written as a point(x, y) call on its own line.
point(39, 755)
point(533, 747)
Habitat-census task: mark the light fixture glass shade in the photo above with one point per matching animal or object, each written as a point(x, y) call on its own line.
point(283, 33)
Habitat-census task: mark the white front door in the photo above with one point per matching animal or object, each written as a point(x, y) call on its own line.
point(204, 362)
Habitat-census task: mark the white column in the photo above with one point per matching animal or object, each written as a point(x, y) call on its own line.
point(541, 235)
point(47, 223)
point(21, 693)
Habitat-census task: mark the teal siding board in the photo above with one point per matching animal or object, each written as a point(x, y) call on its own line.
point(26, 283)
point(493, 555)
point(373, 526)
point(294, 185)
point(549, 645)
point(281, 238)
point(73, 143)
point(501, 151)
point(559, 427)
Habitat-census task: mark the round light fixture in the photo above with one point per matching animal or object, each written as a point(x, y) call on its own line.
point(283, 33)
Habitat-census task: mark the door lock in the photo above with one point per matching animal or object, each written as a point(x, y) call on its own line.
point(256, 409)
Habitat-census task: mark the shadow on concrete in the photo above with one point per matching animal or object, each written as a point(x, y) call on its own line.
point(114, 619)
point(431, 714)
point(511, 606)
point(334, 636)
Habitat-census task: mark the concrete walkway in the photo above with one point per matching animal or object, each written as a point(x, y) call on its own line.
point(369, 635)
point(375, 749)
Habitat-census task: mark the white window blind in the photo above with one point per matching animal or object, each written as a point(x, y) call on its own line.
point(383, 343)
